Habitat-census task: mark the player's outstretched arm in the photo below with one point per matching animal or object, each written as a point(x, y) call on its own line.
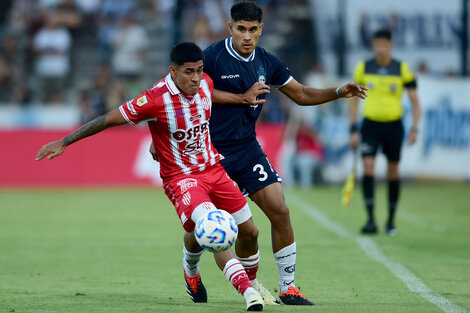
point(354, 133)
point(56, 148)
point(303, 95)
point(248, 98)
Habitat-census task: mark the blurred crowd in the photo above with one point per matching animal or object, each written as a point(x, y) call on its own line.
point(96, 54)
point(41, 40)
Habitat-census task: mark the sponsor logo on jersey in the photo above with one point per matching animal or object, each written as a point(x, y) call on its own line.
point(206, 102)
point(187, 183)
point(231, 76)
point(186, 198)
point(195, 117)
point(195, 147)
point(130, 107)
point(191, 133)
point(141, 101)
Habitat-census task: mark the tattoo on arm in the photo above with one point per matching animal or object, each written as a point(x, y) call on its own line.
point(88, 129)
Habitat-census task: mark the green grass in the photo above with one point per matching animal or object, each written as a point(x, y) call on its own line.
point(120, 251)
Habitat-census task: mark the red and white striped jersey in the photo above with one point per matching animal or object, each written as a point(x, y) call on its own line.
point(179, 127)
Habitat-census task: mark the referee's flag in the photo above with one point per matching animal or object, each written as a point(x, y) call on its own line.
point(348, 187)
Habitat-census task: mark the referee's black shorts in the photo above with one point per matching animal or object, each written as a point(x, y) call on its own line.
point(387, 135)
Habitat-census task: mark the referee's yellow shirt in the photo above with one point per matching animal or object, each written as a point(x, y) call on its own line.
point(385, 83)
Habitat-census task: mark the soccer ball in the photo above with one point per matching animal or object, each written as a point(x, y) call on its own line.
point(216, 230)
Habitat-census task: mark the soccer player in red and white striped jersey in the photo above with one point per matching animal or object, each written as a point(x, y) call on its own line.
point(177, 110)
point(179, 124)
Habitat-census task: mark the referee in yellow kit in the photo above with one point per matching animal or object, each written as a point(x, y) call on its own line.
point(382, 125)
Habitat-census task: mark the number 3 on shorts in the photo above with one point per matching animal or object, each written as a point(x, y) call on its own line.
point(262, 173)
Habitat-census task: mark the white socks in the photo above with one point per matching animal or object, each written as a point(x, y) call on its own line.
point(235, 274)
point(251, 265)
point(285, 261)
point(191, 262)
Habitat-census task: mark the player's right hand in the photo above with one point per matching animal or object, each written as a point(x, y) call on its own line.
point(251, 95)
point(354, 140)
point(52, 150)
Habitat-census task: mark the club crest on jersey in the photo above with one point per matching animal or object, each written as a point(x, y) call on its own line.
point(187, 183)
point(141, 101)
point(261, 79)
point(206, 103)
point(261, 75)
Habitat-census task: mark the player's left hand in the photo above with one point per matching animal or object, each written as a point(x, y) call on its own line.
point(412, 137)
point(250, 97)
point(353, 90)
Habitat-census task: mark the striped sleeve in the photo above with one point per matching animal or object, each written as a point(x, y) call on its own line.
point(141, 108)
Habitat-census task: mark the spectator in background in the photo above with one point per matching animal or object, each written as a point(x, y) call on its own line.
point(210, 19)
point(88, 7)
point(309, 154)
point(69, 15)
point(51, 46)
point(200, 32)
point(303, 150)
point(423, 68)
point(93, 99)
point(88, 10)
point(6, 80)
point(130, 44)
point(4, 8)
point(110, 14)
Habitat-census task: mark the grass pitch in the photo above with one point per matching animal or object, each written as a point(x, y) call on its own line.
point(120, 251)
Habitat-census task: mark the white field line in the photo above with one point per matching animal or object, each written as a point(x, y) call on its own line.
point(369, 246)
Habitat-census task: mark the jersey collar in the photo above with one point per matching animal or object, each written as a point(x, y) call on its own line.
point(171, 85)
point(229, 47)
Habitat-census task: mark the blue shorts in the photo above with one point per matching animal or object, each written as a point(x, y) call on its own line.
point(248, 166)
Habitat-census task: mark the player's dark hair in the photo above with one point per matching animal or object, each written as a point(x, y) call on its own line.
point(186, 52)
point(246, 11)
point(385, 33)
